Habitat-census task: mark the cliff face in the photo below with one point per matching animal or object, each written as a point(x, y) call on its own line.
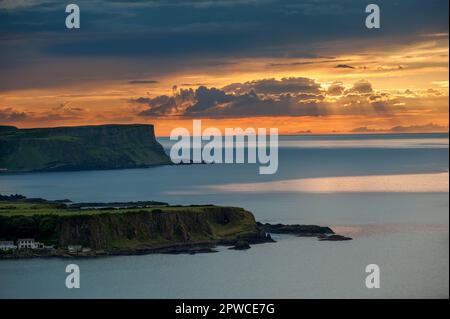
point(131, 230)
point(79, 148)
point(124, 228)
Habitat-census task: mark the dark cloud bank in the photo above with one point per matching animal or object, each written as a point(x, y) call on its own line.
point(270, 97)
point(168, 36)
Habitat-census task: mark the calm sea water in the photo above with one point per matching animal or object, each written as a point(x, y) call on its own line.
point(389, 192)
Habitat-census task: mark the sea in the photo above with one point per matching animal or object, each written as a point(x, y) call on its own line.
point(388, 192)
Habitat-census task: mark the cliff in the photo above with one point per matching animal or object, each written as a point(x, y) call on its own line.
point(135, 228)
point(79, 148)
point(155, 227)
point(125, 229)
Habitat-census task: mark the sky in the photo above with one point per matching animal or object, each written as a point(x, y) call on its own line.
point(303, 67)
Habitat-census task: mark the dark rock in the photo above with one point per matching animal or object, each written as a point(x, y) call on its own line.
point(241, 245)
point(334, 237)
point(258, 237)
point(321, 232)
point(298, 230)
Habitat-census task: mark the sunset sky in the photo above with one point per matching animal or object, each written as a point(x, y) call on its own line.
point(301, 66)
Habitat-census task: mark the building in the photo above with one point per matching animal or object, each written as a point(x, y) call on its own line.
point(74, 248)
point(30, 243)
point(7, 245)
point(26, 243)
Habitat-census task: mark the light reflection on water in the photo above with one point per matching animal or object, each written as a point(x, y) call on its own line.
point(403, 183)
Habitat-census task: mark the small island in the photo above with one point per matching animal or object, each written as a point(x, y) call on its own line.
point(42, 228)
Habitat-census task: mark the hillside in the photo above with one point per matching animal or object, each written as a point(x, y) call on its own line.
point(79, 148)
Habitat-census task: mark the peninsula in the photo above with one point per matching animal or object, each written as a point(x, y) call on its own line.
point(38, 227)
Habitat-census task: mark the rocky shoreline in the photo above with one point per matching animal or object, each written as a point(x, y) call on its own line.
point(321, 232)
point(241, 242)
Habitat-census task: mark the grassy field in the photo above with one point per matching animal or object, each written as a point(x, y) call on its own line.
point(18, 208)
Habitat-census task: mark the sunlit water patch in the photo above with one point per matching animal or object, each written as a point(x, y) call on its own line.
point(402, 183)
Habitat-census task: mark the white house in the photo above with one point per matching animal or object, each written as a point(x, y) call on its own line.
point(74, 248)
point(25, 243)
point(7, 245)
point(29, 243)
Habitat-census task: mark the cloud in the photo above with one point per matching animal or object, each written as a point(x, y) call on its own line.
point(293, 96)
point(250, 104)
point(430, 127)
point(335, 89)
point(123, 37)
point(142, 82)
point(361, 86)
point(433, 92)
point(273, 86)
point(329, 60)
point(17, 4)
point(270, 97)
point(362, 101)
point(192, 84)
point(57, 113)
point(344, 66)
point(165, 105)
point(208, 98)
point(10, 115)
point(426, 128)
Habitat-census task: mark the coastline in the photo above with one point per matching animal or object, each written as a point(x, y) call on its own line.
point(33, 228)
point(241, 242)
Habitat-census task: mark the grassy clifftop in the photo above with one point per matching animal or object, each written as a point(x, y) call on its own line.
point(126, 228)
point(79, 148)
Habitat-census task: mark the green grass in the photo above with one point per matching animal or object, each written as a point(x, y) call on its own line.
point(245, 224)
point(18, 208)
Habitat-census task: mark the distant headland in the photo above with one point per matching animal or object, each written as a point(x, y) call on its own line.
point(79, 148)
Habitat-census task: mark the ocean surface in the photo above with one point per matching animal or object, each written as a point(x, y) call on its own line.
point(388, 192)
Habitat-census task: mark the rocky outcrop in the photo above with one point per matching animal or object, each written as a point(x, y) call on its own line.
point(80, 148)
point(321, 232)
point(298, 230)
point(334, 238)
point(241, 245)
